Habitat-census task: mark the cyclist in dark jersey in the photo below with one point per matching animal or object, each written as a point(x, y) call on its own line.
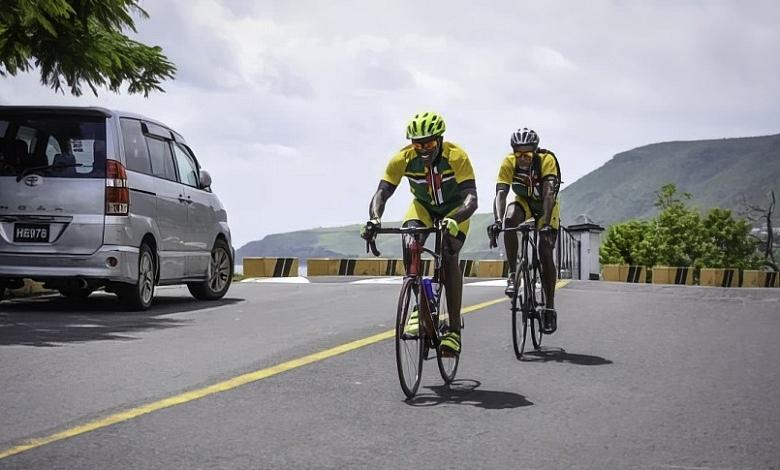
point(534, 177)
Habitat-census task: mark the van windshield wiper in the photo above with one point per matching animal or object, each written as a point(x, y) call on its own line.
point(56, 166)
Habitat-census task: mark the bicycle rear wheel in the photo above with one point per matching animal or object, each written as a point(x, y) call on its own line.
point(408, 346)
point(519, 326)
point(448, 365)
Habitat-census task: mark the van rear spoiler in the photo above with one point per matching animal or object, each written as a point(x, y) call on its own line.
point(56, 110)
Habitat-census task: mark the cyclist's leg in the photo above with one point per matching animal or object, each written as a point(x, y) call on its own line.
point(416, 216)
point(547, 242)
point(453, 277)
point(516, 213)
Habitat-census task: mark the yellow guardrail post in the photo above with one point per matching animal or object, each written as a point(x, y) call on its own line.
point(468, 267)
point(623, 273)
point(756, 278)
point(719, 277)
point(270, 267)
point(492, 268)
point(673, 275)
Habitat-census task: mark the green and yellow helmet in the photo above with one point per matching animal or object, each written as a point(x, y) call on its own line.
point(425, 124)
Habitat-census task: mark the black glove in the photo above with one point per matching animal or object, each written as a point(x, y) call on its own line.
point(368, 231)
point(493, 230)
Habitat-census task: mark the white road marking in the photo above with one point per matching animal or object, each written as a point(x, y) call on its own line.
point(380, 280)
point(278, 280)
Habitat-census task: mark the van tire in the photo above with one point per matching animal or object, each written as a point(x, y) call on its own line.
point(139, 296)
point(220, 274)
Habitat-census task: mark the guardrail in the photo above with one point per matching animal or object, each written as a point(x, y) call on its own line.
point(714, 277)
point(567, 255)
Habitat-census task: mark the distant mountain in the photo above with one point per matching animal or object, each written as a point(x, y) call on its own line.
point(345, 241)
point(719, 173)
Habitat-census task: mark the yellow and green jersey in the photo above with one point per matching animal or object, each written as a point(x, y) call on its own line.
point(526, 182)
point(436, 186)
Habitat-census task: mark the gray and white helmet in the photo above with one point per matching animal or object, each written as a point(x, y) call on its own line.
point(524, 136)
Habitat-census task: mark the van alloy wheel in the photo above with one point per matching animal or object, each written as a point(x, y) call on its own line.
point(139, 296)
point(219, 275)
point(146, 277)
point(219, 271)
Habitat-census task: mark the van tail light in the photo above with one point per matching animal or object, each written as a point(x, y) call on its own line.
point(117, 192)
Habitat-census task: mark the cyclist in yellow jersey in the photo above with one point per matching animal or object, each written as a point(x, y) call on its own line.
point(441, 180)
point(534, 177)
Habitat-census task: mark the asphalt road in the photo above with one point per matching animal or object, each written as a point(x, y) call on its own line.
point(637, 376)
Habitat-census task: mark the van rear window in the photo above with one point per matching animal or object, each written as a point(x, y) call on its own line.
point(52, 146)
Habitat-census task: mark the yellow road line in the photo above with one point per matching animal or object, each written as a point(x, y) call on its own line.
point(217, 388)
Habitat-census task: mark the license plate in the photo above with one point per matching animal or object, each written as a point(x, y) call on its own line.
point(31, 233)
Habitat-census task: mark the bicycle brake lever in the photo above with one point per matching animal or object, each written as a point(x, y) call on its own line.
point(372, 244)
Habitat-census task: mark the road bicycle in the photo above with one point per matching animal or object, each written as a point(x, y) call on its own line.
point(528, 299)
point(415, 339)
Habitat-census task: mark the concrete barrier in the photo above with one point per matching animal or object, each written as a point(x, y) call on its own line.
point(469, 267)
point(623, 273)
point(270, 267)
point(719, 277)
point(354, 267)
point(492, 268)
point(395, 267)
point(756, 278)
point(673, 275)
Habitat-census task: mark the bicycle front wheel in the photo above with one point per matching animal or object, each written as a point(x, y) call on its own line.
point(519, 325)
point(448, 365)
point(409, 339)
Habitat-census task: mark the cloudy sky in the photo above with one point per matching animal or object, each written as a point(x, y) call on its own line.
point(296, 106)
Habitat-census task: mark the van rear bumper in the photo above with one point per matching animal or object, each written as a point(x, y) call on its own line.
point(94, 266)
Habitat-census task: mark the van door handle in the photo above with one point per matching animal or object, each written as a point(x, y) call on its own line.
point(183, 199)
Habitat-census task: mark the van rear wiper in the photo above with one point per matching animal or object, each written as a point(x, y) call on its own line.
point(56, 166)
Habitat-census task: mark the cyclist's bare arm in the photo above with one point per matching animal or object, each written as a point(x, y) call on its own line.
point(383, 193)
point(467, 189)
point(499, 204)
point(550, 187)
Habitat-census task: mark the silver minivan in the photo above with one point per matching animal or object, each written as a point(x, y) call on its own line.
point(91, 198)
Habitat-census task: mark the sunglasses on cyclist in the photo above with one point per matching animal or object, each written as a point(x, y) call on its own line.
point(427, 145)
point(527, 154)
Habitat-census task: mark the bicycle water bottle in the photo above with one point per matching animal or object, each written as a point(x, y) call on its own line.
point(427, 285)
point(435, 291)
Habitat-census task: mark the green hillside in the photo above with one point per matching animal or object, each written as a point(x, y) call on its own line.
point(345, 241)
point(719, 173)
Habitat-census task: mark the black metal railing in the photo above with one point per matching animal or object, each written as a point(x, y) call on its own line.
point(567, 255)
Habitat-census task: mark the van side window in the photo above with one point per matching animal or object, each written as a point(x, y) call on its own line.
point(188, 169)
point(136, 153)
point(162, 160)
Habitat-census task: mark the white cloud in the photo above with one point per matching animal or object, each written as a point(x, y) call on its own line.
point(295, 107)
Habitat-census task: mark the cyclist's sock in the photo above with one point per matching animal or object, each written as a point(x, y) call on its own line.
point(412, 326)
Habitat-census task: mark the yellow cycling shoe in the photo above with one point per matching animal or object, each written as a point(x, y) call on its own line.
point(412, 326)
point(450, 344)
